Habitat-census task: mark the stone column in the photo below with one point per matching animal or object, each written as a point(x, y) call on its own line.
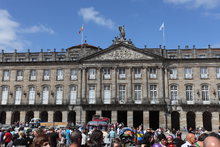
point(144, 83)
point(130, 119)
point(183, 119)
point(22, 116)
point(199, 120)
point(50, 116)
point(64, 116)
point(114, 85)
point(78, 111)
point(99, 113)
point(8, 117)
point(83, 83)
point(99, 86)
point(146, 119)
point(162, 119)
point(215, 121)
point(114, 117)
point(83, 116)
point(36, 114)
point(130, 88)
point(168, 115)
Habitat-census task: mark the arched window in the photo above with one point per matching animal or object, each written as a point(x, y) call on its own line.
point(18, 94)
point(189, 93)
point(31, 95)
point(45, 95)
point(173, 92)
point(73, 94)
point(205, 92)
point(4, 95)
point(59, 94)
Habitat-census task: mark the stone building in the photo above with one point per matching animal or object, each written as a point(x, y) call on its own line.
point(156, 87)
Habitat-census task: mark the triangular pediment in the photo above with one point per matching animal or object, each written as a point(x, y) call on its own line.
point(120, 53)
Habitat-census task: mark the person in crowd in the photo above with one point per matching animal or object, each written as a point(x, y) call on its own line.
point(84, 137)
point(54, 137)
point(116, 143)
point(20, 140)
point(112, 135)
point(75, 138)
point(42, 140)
point(162, 140)
point(2, 133)
point(211, 141)
point(170, 141)
point(67, 136)
point(178, 142)
point(140, 135)
point(148, 139)
point(190, 140)
point(92, 143)
point(7, 137)
point(200, 140)
point(97, 136)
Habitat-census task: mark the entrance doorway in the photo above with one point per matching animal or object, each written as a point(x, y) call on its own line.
point(72, 117)
point(207, 121)
point(44, 116)
point(154, 119)
point(122, 117)
point(137, 118)
point(191, 120)
point(175, 120)
point(89, 115)
point(107, 114)
point(57, 117)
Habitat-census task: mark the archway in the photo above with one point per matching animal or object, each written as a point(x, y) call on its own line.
point(44, 116)
point(15, 117)
point(107, 114)
point(154, 119)
point(191, 120)
point(122, 117)
point(72, 117)
point(137, 118)
point(175, 120)
point(29, 116)
point(57, 117)
point(207, 121)
point(3, 117)
point(89, 115)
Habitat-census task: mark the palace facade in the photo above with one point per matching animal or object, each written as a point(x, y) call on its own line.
point(156, 87)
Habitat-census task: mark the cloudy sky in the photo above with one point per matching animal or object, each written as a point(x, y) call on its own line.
point(49, 24)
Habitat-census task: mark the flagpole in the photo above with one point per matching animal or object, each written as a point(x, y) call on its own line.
point(164, 36)
point(81, 38)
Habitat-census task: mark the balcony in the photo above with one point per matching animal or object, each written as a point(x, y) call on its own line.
point(190, 102)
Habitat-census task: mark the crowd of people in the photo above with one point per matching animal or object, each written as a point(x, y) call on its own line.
point(118, 136)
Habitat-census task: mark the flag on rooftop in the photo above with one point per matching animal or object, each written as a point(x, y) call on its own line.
point(162, 26)
point(81, 29)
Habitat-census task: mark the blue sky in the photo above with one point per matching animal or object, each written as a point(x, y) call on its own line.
point(49, 24)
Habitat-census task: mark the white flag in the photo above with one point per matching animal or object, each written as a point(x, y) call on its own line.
point(162, 27)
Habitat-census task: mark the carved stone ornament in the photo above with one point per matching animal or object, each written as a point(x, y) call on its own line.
point(122, 54)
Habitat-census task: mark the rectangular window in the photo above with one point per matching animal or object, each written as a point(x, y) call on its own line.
point(173, 93)
point(188, 73)
point(45, 95)
point(173, 73)
point(59, 95)
point(107, 73)
point(152, 73)
point(31, 95)
point(92, 97)
point(18, 95)
point(33, 75)
point(217, 72)
point(19, 75)
point(205, 93)
point(137, 73)
point(4, 95)
point(121, 72)
point(73, 94)
point(46, 74)
point(60, 74)
point(122, 93)
point(107, 94)
point(137, 94)
point(6, 75)
point(204, 72)
point(189, 93)
point(92, 74)
point(74, 74)
point(153, 93)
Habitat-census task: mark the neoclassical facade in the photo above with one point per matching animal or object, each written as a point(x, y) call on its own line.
point(156, 87)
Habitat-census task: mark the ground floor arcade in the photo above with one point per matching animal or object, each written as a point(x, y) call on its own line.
point(152, 118)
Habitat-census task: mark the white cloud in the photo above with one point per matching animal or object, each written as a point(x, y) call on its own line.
point(207, 4)
point(212, 15)
point(36, 29)
point(11, 32)
point(90, 14)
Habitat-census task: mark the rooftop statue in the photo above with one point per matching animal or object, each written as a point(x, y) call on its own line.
point(122, 32)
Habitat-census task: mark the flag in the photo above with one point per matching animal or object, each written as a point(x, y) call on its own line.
point(81, 29)
point(162, 26)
